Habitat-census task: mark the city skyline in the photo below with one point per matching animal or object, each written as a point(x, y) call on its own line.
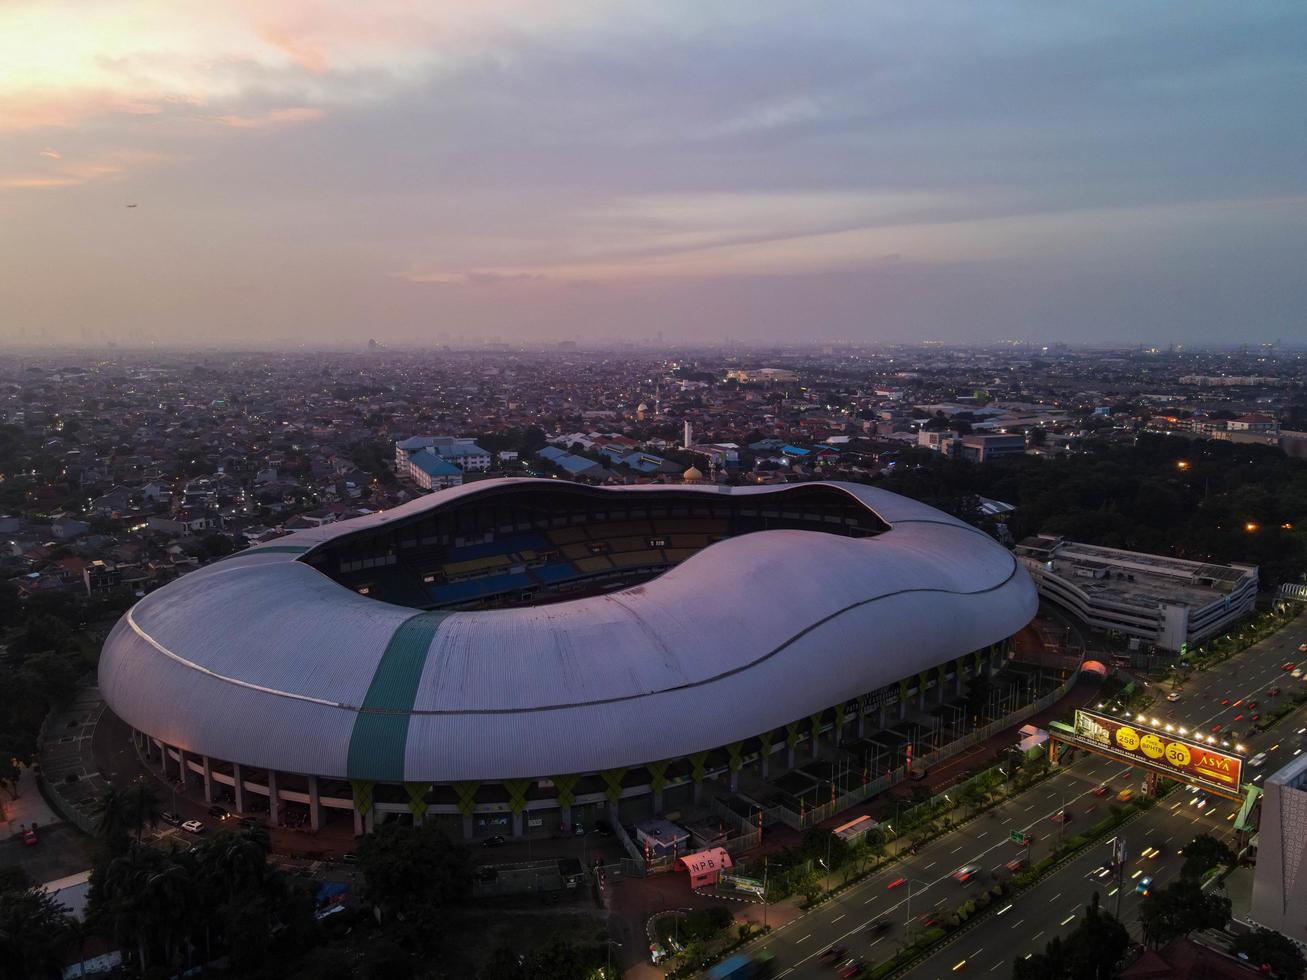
point(614, 172)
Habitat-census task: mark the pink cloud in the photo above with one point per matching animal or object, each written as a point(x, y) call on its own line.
point(273, 117)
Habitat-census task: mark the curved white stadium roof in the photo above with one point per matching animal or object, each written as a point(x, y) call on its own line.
point(261, 659)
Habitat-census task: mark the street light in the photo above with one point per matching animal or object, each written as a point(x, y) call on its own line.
point(610, 944)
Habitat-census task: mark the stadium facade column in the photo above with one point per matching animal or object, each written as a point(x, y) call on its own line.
point(815, 722)
point(657, 782)
point(238, 787)
point(517, 789)
point(613, 790)
point(208, 779)
point(274, 800)
point(565, 794)
point(791, 740)
point(735, 754)
point(181, 767)
point(922, 689)
point(466, 791)
point(765, 742)
point(959, 675)
point(315, 805)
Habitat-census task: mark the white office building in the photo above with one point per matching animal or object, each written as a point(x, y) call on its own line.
point(1280, 881)
point(1170, 603)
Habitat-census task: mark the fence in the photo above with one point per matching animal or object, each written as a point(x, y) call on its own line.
point(819, 814)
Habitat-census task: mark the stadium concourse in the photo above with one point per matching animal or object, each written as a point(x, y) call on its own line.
point(519, 656)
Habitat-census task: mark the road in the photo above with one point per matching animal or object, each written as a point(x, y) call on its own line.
point(1054, 906)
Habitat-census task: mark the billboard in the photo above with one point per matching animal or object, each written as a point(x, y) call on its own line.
point(1172, 755)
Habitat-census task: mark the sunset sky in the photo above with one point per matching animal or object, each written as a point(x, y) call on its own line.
point(326, 172)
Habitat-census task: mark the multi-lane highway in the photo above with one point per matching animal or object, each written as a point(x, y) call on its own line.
point(871, 919)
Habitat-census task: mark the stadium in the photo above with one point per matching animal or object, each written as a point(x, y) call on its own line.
point(526, 651)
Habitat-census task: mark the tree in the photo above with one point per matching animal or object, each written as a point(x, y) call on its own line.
point(406, 868)
point(1203, 853)
point(143, 805)
point(114, 817)
point(1178, 909)
point(35, 931)
point(1279, 953)
point(1091, 952)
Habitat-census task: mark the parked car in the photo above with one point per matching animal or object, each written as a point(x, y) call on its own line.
point(193, 827)
point(29, 837)
point(219, 811)
point(1173, 696)
point(171, 819)
point(496, 841)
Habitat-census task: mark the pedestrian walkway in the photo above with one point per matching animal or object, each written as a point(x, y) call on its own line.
point(68, 767)
point(29, 808)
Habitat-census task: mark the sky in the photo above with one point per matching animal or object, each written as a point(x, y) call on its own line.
point(322, 172)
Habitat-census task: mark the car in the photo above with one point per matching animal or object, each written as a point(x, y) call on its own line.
point(171, 819)
point(1251, 704)
point(193, 827)
point(350, 857)
point(221, 812)
point(833, 953)
point(1062, 817)
point(853, 968)
point(1102, 790)
point(1217, 727)
point(496, 841)
point(1296, 672)
point(1256, 717)
point(1173, 696)
point(1014, 865)
point(1302, 647)
point(1124, 795)
point(1286, 666)
point(1144, 886)
point(1273, 692)
point(965, 873)
point(1225, 702)
point(1239, 717)
point(1257, 761)
point(578, 829)
point(29, 837)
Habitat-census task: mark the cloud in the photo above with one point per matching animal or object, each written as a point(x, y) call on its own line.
point(273, 117)
point(72, 172)
point(51, 153)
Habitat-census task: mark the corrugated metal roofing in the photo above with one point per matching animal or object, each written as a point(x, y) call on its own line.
point(263, 660)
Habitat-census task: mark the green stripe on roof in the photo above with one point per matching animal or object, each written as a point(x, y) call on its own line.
point(376, 746)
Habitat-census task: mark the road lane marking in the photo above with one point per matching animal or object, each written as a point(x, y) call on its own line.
point(1068, 918)
point(797, 941)
point(838, 917)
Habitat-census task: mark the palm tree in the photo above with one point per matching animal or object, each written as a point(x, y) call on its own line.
point(143, 806)
point(112, 822)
